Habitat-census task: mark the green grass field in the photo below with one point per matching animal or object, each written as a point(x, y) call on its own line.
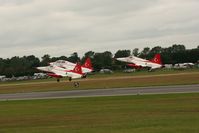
point(171, 113)
point(99, 81)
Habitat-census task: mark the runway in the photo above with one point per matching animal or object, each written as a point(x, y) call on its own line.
point(102, 92)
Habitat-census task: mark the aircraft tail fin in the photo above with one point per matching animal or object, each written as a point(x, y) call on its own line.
point(78, 69)
point(88, 64)
point(157, 59)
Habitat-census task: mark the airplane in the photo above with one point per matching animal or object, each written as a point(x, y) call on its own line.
point(86, 67)
point(139, 63)
point(66, 65)
point(61, 68)
point(58, 72)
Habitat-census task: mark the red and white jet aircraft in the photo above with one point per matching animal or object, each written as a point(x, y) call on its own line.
point(138, 63)
point(61, 68)
point(86, 67)
point(58, 72)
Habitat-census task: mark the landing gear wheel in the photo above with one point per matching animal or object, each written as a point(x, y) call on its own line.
point(58, 80)
point(76, 84)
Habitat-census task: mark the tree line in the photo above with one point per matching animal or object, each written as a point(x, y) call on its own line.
point(20, 66)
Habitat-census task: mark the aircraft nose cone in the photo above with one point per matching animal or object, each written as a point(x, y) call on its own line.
point(120, 59)
point(42, 68)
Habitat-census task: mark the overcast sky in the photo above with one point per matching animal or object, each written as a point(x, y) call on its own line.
point(61, 27)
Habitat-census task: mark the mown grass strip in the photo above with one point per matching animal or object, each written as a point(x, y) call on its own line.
point(122, 114)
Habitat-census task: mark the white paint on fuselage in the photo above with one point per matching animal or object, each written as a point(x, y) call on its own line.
point(69, 65)
point(140, 62)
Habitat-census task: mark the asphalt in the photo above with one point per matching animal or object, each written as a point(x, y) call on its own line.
point(101, 92)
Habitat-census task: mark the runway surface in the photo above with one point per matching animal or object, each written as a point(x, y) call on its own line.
point(101, 92)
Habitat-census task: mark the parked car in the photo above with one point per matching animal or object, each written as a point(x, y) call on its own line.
point(2, 77)
point(129, 70)
point(106, 71)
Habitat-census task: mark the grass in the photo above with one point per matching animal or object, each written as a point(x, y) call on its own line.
point(116, 80)
point(171, 113)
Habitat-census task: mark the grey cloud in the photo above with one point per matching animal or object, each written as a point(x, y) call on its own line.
point(110, 7)
point(63, 26)
point(14, 2)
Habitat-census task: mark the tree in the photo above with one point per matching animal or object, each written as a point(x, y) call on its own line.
point(154, 51)
point(74, 58)
point(53, 59)
point(86, 55)
point(21, 66)
point(31, 62)
point(107, 55)
point(144, 52)
point(135, 52)
point(102, 60)
point(89, 54)
point(118, 54)
point(34, 61)
point(45, 60)
point(122, 53)
point(177, 48)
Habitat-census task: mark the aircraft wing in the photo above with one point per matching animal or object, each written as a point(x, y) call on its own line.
point(59, 71)
point(74, 75)
point(139, 63)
